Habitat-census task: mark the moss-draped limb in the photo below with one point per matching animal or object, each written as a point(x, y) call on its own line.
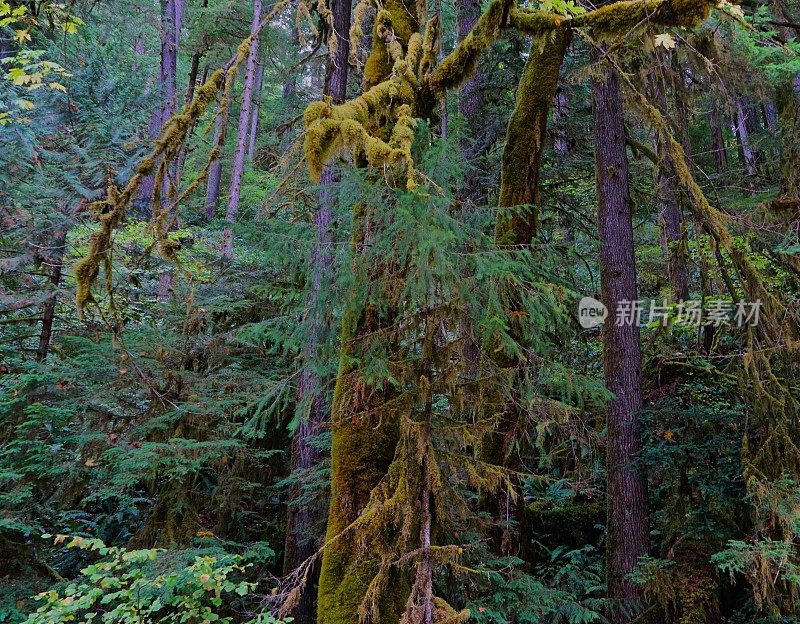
point(619, 18)
point(525, 138)
point(397, 21)
point(460, 64)
point(111, 210)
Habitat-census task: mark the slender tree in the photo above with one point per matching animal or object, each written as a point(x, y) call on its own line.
point(237, 170)
point(255, 113)
point(622, 354)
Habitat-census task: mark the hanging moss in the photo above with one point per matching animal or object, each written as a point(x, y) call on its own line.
point(397, 21)
point(111, 210)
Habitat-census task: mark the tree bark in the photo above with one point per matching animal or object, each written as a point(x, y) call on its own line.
point(744, 138)
point(300, 539)
point(717, 139)
point(215, 169)
point(364, 437)
point(241, 139)
point(622, 355)
point(49, 306)
point(167, 84)
point(470, 100)
point(253, 132)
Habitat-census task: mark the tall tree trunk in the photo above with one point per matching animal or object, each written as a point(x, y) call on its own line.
point(363, 441)
point(311, 388)
point(470, 106)
point(167, 84)
point(301, 543)
point(622, 354)
point(471, 99)
point(49, 306)
point(237, 170)
point(253, 131)
point(215, 169)
point(743, 135)
point(717, 139)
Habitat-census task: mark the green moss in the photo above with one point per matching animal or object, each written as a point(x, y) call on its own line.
point(621, 18)
point(460, 64)
point(525, 138)
point(397, 20)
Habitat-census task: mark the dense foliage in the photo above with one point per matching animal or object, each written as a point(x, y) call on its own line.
point(289, 317)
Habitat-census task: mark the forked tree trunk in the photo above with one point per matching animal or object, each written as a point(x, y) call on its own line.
point(622, 355)
point(241, 139)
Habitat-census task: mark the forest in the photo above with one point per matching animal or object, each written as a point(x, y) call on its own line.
point(399, 312)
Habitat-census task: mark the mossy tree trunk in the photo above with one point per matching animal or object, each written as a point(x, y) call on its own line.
point(516, 229)
point(622, 354)
point(365, 432)
point(301, 541)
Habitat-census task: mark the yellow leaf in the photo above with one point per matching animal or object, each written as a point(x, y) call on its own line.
point(57, 87)
point(24, 104)
point(665, 40)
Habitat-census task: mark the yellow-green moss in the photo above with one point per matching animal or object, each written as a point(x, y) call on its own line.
point(397, 20)
point(460, 64)
point(527, 130)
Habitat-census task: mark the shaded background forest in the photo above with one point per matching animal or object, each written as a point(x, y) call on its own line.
point(172, 412)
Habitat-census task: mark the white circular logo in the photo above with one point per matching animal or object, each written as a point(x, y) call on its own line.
point(591, 312)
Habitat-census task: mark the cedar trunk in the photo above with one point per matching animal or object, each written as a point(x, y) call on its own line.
point(622, 354)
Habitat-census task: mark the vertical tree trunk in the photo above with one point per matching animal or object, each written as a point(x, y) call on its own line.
point(471, 99)
point(363, 441)
point(301, 543)
point(717, 139)
point(167, 83)
point(253, 131)
point(470, 106)
point(744, 138)
point(49, 306)
point(561, 149)
point(237, 170)
point(622, 356)
point(215, 170)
